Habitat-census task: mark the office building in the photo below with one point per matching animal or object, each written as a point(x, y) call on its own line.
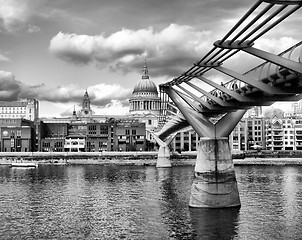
point(26, 109)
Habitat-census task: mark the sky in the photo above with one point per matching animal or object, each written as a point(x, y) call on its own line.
point(53, 50)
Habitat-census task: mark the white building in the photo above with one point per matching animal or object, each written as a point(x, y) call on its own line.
point(26, 109)
point(284, 134)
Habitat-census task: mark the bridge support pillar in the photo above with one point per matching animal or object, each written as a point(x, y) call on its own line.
point(215, 184)
point(163, 159)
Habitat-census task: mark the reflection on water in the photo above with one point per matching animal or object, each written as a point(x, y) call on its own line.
point(271, 200)
point(137, 202)
point(215, 223)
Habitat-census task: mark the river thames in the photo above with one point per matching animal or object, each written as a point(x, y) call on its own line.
point(142, 202)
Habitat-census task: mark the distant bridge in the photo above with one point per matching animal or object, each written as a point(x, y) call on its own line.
point(214, 114)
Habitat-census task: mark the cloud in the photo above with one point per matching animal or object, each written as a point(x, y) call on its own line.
point(77, 49)
point(10, 89)
point(169, 50)
point(14, 14)
point(4, 58)
point(275, 45)
point(103, 94)
point(100, 95)
point(113, 108)
point(33, 29)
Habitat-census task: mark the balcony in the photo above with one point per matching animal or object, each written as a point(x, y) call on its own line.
point(277, 134)
point(277, 144)
point(277, 139)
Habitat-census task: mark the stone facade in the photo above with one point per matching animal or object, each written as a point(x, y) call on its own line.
point(26, 109)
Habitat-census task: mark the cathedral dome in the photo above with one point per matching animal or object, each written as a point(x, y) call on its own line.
point(145, 98)
point(145, 84)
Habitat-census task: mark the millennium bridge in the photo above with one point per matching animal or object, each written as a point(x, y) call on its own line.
point(214, 109)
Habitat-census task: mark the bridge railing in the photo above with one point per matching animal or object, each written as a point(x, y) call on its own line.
point(167, 107)
point(264, 71)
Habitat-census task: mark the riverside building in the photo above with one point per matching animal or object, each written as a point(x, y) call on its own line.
point(23, 130)
point(17, 125)
point(85, 132)
point(17, 135)
point(26, 109)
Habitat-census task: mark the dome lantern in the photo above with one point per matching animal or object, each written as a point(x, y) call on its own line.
point(145, 85)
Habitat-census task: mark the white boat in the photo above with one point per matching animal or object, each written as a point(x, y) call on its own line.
point(24, 164)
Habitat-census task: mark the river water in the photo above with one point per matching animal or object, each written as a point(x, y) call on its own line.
point(142, 202)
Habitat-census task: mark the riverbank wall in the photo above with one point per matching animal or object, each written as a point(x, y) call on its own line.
point(136, 158)
point(101, 158)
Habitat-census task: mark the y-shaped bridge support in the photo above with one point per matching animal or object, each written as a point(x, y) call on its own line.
point(163, 159)
point(165, 137)
point(215, 184)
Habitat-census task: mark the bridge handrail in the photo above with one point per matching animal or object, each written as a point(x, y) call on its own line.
point(240, 84)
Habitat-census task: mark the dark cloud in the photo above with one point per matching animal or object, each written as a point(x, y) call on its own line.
point(9, 88)
point(72, 48)
point(100, 94)
point(169, 50)
point(113, 14)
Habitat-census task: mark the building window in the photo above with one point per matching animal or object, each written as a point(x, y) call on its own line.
point(104, 129)
point(18, 133)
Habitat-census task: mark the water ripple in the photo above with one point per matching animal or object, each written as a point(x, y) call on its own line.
point(111, 202)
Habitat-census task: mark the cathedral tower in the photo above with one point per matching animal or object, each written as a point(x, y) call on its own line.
point(86, 110)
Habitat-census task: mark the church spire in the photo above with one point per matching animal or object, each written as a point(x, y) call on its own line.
point(86, 110)
point(145, 71)
point(74, 111)
point(86, 94)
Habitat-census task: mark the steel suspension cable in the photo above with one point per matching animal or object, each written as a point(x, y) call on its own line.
point(222, 55)
point(262, 24)
point(276, 22)
point(256, 5)
point(265, 10)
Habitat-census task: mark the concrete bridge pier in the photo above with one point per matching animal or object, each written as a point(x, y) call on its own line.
point(215, 184)
point(163, 159)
